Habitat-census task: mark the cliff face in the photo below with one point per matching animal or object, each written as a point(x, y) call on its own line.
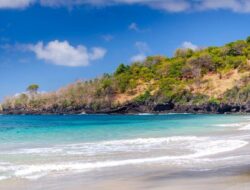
point(210, 80)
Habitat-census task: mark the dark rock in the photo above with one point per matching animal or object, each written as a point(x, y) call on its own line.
point(134, 108)
point(164, 107)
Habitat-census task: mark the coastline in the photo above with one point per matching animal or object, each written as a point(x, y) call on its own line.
point(136, 108)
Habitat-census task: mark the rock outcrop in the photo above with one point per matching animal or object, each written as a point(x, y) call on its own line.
point(135, 108)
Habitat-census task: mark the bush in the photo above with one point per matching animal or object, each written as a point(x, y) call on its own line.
point(184, 53)
point(248, 40)
point(143, 97)
point(199, 99)
point(213, 100)
point(235, 48)
point(235, 62)
point(174, 69)
point(121, 69)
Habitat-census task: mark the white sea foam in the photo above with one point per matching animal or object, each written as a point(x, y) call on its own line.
point(83, 113)
point(217, 146)
point(146, 114)
point(245, 128)
point(200, 147)
point(191, 143)
point(229, 125)
point(173, 113)
point(3, 178)
point(140, 144)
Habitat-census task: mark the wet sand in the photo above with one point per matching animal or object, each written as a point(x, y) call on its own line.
point(154, 179)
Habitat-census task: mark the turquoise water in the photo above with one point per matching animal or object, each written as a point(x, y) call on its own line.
point(32, 147)
point(88, 128)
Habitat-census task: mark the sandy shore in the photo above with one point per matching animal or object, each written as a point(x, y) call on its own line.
point(212, 183)
point(159, 179)
point(190, 180)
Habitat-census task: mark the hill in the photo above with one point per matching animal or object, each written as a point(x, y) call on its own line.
point(208, 80)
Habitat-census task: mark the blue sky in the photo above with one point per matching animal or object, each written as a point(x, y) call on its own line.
point(53, 43)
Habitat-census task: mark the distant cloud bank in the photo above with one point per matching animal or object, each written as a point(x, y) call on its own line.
point(165, 5)
point(62, 53)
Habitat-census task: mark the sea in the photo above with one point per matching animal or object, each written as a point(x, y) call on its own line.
point(34, 148)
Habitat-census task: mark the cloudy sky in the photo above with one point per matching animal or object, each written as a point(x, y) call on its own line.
point(55, 42)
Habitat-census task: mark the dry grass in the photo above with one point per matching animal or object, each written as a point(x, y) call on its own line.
point(122, 98)
point(215, 85)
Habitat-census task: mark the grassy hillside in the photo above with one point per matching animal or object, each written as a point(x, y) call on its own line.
point(210, 75)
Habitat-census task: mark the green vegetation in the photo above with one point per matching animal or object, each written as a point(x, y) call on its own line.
point(33, 88)
point(181, 79)
point(143, 97)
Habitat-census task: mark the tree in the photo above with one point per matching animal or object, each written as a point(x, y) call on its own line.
point(33, 88)
point(121, 69)
point(235, 48)
point(184, 53)
point(248, 39)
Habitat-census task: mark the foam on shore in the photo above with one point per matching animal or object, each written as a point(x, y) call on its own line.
point(201, 147)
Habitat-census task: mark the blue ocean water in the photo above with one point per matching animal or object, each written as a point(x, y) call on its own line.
point(89, 128)
point(32, 147)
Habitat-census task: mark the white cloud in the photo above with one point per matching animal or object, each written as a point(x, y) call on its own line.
point(96, 53)
point(133, 26)
point(189, 45)
point(233, 5)
point(15, 4)
point(138, 58)
point(170, 5)
point(143, 49)
point(108, 37)
point(62, 53)
point(165, 5)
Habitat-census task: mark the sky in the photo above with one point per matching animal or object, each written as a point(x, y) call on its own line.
point(55, 42)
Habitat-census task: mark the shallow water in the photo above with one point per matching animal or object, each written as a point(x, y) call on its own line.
point(37, 147)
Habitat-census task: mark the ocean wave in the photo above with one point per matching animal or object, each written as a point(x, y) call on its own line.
point(245, 128)
point(129, 145)
point(146, 114)
point(229, 125)
point(3, 178)
point(175, 143)
point(174, 113)
point(202, 148)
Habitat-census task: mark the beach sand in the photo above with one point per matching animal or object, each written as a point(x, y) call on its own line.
point(224, 179)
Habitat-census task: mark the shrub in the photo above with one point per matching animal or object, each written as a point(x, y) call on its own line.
point(143, 97)
point(121, 69)
point(174, 69)
point(184, 53)
point(214, 100)
point(234, 62)
point(248, 39)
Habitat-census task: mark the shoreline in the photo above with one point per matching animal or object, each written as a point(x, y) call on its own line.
point(135, 108)
point(232, 178)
